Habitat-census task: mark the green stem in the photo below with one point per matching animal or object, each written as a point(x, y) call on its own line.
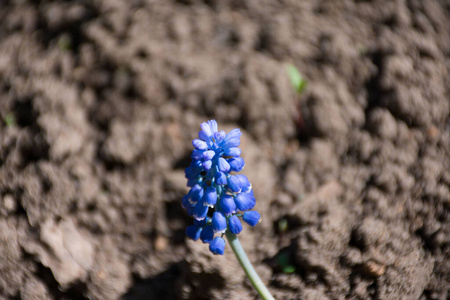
point(247, 266)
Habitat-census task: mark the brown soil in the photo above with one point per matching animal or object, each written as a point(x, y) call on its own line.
point(99, 101)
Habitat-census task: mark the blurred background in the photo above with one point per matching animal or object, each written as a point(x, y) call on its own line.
point(99, 103)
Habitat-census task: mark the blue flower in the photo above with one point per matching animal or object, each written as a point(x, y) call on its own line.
point(238, 183)
point(217, 246)
point(219, 222)
point(251, 218)
point(193, 232)
point(200, 211)
point(217, 198)
point(227, 204)
point(235, 225)
point(245, 201)
point(210, 196)
point(236, 164)
point(207, 234)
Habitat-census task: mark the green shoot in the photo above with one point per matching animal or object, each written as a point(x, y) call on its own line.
point(283, 225)
point(65, 42)
point(283, 261)
point(10, 120)
point(297, 80)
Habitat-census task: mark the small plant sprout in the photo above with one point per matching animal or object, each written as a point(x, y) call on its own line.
point(218, 200)
point(65, 43)
point(297, 81)
point(10, 120)
point(284, 262)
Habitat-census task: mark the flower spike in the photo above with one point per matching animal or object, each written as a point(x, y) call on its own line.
point(217, 199)
point(215, 190)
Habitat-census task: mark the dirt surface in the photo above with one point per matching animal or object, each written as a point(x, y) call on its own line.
point(99, 101)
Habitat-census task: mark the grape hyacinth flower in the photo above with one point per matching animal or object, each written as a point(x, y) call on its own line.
point(219, 198)
point(215, 190)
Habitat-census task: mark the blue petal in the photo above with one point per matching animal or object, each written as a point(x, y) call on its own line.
point(189, 173)
point(201, 223)
point(196, 193)
point(207, 234)
point(193, 232)
point(207, 165)
point(234, 184)
point(219, 136)
point(200, 211)
point(217, 246)
point(238, 183)
point(233, 139)
point(208, 155)
point(190, 210)
point(185, 202)
point(196, 166)
point(199, 144)
point(236, 164)
point(245, 201)
point(251, 218)
point(234, 151)
point(221, 178)
point(227, 205)
point(210, 196)
point(213, 125)
point(224, 166)
point(197, 154)
point(234, 224)
point(192, 182)
point(219, 222)
point(203, 135)
point(244, 183)
point(208, 128)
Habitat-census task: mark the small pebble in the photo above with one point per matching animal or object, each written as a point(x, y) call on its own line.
point(374, 269)
point(9, 203)
point(161, 243)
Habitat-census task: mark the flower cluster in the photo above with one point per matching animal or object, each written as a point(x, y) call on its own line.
point(217, 197)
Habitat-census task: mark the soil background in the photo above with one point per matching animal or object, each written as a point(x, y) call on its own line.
point(99, 103)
